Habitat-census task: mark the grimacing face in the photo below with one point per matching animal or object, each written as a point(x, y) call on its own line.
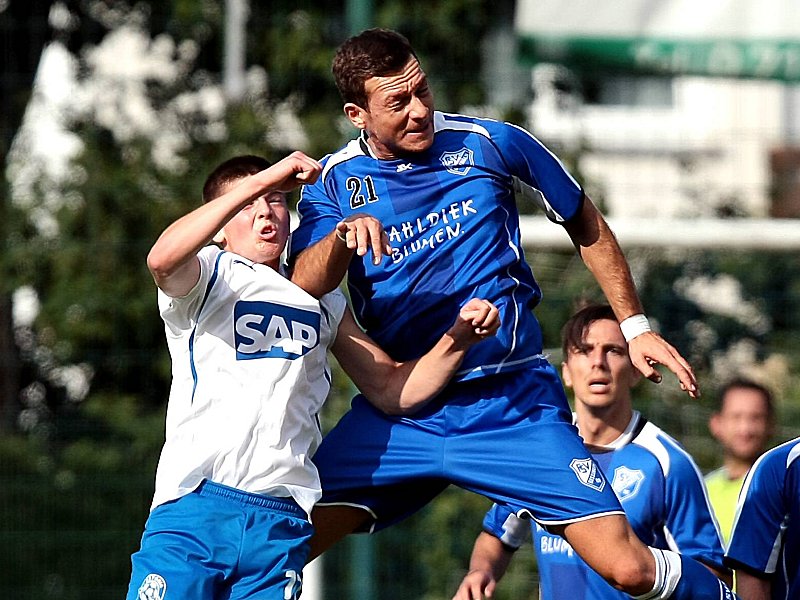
point(259, 230)
point(600, 371)
point(398, 117)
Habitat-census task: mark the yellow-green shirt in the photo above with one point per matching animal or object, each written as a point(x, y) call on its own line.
point(723, 492)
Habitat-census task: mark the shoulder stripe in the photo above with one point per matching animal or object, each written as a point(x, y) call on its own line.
point(353, 149)
point(444, 121)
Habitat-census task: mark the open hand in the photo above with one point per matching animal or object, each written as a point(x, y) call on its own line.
point(649, 349)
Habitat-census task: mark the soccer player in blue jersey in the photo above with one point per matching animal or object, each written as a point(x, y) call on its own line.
point(765, 544)
point(657, 482)
point(235, 482)
point(443, 187)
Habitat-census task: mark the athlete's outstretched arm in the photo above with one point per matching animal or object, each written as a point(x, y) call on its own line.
point(173, 258)
point(599, 249)
point(488, 563)
point(404, 387)
point(321, 267)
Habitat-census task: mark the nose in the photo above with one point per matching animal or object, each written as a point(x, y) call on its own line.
point(418, 109)
point(262, 207)
point(598, 357)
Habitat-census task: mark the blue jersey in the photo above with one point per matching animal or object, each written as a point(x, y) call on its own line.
point(663, 495)
point(766, 531)
point(451, 217)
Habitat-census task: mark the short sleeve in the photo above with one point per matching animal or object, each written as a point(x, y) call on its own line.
point(758, 529)
point(319, 213)
point(510, 529)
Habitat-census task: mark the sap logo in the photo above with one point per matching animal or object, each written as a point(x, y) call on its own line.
point(588, 474)
point(458, 162)
point(627, 482)
point(269, 330)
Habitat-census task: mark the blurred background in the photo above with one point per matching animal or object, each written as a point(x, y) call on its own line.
point(681, 119)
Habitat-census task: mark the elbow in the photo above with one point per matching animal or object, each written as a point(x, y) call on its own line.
point(402, 408)
point(157, 265)
point(395, 404)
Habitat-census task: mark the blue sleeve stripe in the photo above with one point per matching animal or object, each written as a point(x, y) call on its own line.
point(210, 285)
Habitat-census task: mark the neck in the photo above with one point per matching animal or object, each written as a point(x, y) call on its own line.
point(601, 426)
point(736, 468)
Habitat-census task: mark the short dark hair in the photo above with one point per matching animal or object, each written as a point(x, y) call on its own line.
point(232, 170)
point(574, 329)
point(371, 53)
point(743, 383)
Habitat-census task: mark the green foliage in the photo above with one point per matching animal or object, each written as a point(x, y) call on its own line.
point(76, 479)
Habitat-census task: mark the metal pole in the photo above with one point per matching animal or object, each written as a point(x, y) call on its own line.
point(233, 79)
point(359, 15)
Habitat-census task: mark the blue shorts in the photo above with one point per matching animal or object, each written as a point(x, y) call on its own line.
point(219, 542)
point(508, 437)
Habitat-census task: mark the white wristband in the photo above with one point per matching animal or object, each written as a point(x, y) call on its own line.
point(634, 326)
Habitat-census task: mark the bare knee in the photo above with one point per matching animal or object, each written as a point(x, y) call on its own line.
point(610, 547)
point(633, 574)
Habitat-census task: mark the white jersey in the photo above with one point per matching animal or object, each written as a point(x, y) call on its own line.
point(249, 375)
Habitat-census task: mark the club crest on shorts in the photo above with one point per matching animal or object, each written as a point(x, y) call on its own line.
point(627, 482)
point(458, 162)
point(154, 587)
point(588, 474)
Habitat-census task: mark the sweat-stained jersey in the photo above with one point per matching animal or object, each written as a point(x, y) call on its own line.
point(660, 489)
point(452, 221)
point(249, 375)
point(766, 531)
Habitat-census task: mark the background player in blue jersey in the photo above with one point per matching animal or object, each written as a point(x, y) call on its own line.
point(235, 482)
point(742, 423)
point(443, 187)
point(765, 544)
point(657, 482)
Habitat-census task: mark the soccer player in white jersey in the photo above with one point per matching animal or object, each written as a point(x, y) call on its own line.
point(443, 186)
point(657, 482)
point(765, 544)
point(235, 483)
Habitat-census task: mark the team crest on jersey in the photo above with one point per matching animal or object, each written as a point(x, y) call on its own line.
point(458, 162)
point(588, 473)
point(153, 588)
point(627, 482)
point(269, 330)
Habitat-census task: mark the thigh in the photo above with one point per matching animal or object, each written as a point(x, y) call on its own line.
point(388, 467)
point(517, 446)
point(274, 550)
point(181, 551)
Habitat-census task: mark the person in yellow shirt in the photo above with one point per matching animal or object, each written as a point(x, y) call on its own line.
point(743, 424)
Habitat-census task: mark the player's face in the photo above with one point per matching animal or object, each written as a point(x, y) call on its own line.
point(259, 231)
point(600, 371)
point(399, 114)
point(744, 425)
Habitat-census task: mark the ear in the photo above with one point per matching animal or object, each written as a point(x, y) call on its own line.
point(714, 425)
point(566, 376)
point(219, 238)
point(356, 115)
point(636, 376)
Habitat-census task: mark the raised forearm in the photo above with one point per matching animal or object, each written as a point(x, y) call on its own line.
point(320, 268)
point(600, 251)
